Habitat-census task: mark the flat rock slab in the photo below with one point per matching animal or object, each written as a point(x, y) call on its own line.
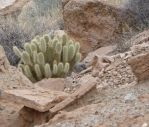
point(39, 99)
point(84, 89)
point(56, 84)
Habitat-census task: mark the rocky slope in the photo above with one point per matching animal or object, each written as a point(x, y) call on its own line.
point(121, 98)
point(112, 108)
point(113, 90)
point(118, 100)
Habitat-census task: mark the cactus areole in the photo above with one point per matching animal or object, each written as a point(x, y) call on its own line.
point(48, 57)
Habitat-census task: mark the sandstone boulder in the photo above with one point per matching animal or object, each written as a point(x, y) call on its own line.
point(140, 66)
point(39, 99)
point(57, 84)
point(96, 23)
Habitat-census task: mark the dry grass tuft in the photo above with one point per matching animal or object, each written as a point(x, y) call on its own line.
point(36, 18)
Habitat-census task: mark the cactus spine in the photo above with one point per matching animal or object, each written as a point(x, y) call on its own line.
point(48, 56)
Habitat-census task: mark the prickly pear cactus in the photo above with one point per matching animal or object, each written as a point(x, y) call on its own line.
point(47, 57)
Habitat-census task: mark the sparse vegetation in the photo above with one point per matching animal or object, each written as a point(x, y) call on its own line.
point(36, 18)
point(11, 34)
point(41, 16)
point(51, 86)
point(141, 12)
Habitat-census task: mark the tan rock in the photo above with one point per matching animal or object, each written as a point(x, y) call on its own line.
point(14, 79)
point(57, 84)
point(68, 119)
point(96, 23)
point(84, 89)
point(85, 79)
point(99, 64)
point(39, 99)
point(141, 121)
point(114, 64)
point(29, 117)
point(140, 66)
point(111, 110)
point(103, 51)
point(144, 98)
point(101, 126)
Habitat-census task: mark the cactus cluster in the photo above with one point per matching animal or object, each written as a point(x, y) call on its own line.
point(47, 56)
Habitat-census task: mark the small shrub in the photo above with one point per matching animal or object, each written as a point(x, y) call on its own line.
point(48, 56)
point(38, 16)
point(35, 18)
point(11, 34)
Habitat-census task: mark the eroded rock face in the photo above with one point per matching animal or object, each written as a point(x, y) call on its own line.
point(29, 117)
point(140, 66)
point(96, 23)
